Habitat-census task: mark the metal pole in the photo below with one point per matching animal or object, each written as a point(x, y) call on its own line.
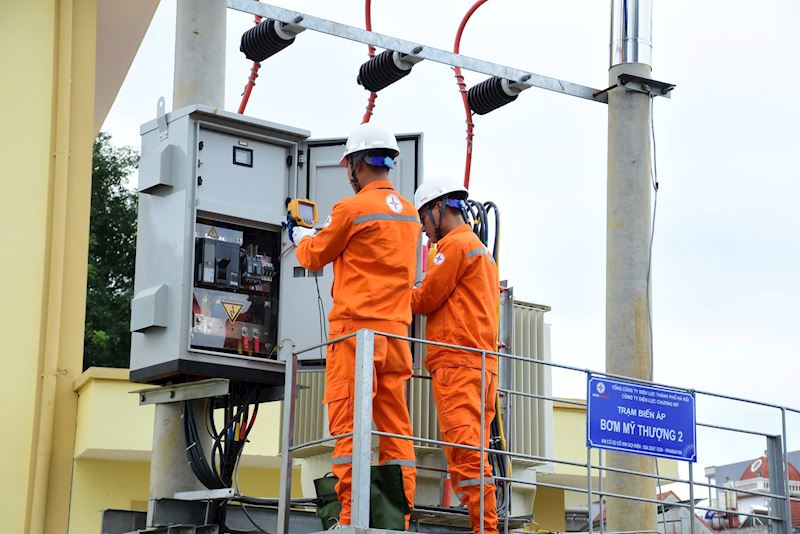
point(600, 486)
point(663, 508)
point(509, 492)
point(289, 398)
point(483, 431)
point(787, 502)
point(362, 428)
point(200, 53)
point(589, 488)
point(628, 243)
point(691, 497)
point(169, 468)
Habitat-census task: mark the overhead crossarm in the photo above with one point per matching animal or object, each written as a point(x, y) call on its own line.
point(408, 48)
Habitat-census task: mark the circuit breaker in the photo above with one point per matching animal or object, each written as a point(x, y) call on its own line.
point(217, 286)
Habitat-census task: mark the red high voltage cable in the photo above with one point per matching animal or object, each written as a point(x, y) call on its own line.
point(462, 87)
point(251, 80)
point(373, 95)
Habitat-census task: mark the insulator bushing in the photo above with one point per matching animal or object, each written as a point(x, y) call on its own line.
point(263, 40)
point(382, 71)
point(489, 95)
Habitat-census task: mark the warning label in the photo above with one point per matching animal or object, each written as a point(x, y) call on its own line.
point(232, 310)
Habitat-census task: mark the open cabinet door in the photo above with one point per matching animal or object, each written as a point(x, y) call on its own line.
point(304, 312)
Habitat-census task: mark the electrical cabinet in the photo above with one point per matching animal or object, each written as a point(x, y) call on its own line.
point(326, 183)
point(217, 286)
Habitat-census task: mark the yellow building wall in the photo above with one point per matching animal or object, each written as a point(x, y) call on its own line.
point(113, 439)
point(548, 510)
point(45, 161)
point(98, 485)
point(112, 424)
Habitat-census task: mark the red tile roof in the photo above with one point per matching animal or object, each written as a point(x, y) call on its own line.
point(760, 468)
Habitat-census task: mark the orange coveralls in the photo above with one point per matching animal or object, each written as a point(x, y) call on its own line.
point(372, 240)
point(459, 295)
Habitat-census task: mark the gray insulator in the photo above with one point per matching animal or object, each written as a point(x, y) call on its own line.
point(488, 96)
point(262, 41)
point(380, 72)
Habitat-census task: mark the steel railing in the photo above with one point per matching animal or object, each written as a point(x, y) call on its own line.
point(779, 495)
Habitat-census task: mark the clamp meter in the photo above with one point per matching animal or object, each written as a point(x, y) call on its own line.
point(303, 212)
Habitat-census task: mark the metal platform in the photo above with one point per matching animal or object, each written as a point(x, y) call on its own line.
point(179, 517)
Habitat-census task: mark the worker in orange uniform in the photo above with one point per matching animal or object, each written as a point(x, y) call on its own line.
point(372, 239)
point(460, 297)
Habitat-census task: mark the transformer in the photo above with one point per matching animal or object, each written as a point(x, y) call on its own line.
point(217, 286)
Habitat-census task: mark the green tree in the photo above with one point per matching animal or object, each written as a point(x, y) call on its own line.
point(112, 253)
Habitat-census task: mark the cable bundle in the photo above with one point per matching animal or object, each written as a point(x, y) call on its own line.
point(477, 215)
point(489, 95)
point(228, 442)
point(263, 40)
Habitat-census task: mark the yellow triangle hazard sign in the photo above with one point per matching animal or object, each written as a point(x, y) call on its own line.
point(213, 233)
point(232, 309)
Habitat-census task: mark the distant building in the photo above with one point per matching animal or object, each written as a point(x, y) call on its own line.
point(743, 478)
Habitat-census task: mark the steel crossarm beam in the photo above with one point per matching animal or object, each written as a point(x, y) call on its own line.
point(437, 55)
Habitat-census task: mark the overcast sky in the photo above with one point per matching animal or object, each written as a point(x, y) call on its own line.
point(726, 257)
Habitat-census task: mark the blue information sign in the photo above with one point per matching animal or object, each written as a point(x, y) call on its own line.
point(641, 419)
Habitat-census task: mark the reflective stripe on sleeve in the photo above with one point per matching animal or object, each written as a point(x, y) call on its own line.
point(478, 251)
point(338, 460)
point(385, 217)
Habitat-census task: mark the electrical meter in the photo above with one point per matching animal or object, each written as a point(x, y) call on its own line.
point(303, 212)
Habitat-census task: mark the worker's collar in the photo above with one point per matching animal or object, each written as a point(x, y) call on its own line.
point(380, 184)
point(460, 229)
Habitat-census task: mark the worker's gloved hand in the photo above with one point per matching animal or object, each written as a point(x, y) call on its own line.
point(299, 232)
point(288, 226)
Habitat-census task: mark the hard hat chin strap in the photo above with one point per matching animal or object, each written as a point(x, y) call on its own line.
point(352, 164)
point(437, 230)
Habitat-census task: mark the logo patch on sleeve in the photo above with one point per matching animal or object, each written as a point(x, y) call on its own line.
point(438, 259)
point(327, 222)
point(394, 203)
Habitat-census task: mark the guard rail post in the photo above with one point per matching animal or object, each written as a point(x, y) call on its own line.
point(362, 428)
point(785, 462)
point(483, 433)
point(289, 397)
point(777, 486)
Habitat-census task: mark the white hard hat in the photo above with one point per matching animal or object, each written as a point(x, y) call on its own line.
point(437, 187)
point(369, 137)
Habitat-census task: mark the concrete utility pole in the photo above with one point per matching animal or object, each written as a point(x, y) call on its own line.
point(200, 53)
point(628, 340)
point(199, 79)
